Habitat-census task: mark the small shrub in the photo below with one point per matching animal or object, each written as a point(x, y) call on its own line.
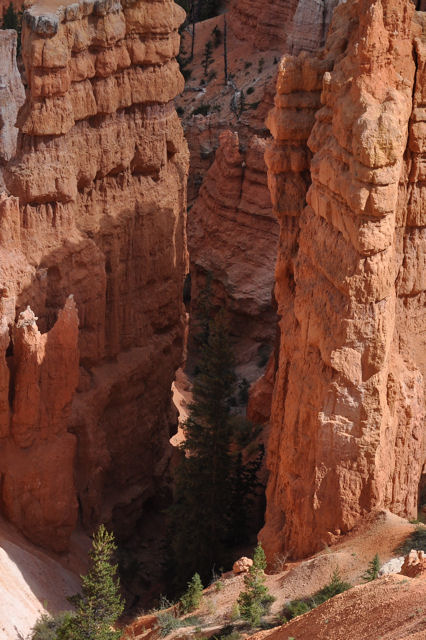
point(192, 597)
point(373, 569)
point(250, 90)
point(280, 560)
point(275, 60)
point(416, 540)
point(169, 621)
point(180, 111)
point(52, 627)
point(235, 612)
point(260, 65)
point(203, 109)
point(299, 607)
point(333, 588)
point(186, 73)
point(248, 65)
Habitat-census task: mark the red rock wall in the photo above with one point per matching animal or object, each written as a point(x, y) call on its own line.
point(348, 406)
point(290, 25)
point(233, 236)
point(100, 173)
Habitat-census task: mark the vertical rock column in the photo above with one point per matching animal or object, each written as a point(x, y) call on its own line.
point(348, 407)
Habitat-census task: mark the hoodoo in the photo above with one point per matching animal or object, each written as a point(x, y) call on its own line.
point(347, 184)
point(96, 210)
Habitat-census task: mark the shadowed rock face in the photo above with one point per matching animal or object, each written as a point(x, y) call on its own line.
point(346, 179)
point(97, 210)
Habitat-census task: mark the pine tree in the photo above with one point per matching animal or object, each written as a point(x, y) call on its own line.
point(373, 569)
point(13, 20)
point(200, 514)
point(255, 601)
point(244, 484)
point(100, 604)
point(10, 18)
point(192, 597)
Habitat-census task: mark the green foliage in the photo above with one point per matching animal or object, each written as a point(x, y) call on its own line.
point(213, 485)
point(373, 569)
point(192, 597)
point(299, 607)
point(207, 56)
point(256, 600)
point(207, 9)
point(13, 20)
point(169, 621)
point(52, 627)
point(250, 90)
point(217, 37)
point(203, 109)
point(244, 483)
point(99, 605)
point(416, 540)
point(199, 515)
point(243, 391)
point(10, 18)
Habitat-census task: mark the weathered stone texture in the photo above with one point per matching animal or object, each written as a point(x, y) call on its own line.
point(346, 181)
point(100, 173)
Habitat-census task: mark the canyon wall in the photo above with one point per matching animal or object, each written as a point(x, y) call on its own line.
point(12, 96)
point(346, 173)
point(92, 263)
point(233, 238)
point(235, 244)
point(290, 25)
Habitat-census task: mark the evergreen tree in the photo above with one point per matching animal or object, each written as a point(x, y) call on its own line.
point(244, 484)
point(10, 18)
point(373, 569)
point(200, 514)
point(100, 604)
point(192, 597)
point(13, 20)
point(256, 600)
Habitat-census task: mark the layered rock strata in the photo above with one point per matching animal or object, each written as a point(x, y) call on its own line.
point(346, 178)
point(233, 237)
point(97, 211)
point(290, 25)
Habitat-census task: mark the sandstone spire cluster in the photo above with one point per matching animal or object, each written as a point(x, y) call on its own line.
point(96, 210)
point(347, 184)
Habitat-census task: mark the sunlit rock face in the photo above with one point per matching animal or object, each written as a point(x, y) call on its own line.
point(96, 210)
point(346, 177)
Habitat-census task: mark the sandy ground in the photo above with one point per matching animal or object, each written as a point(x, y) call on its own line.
point(381, 533)
point(32, 581)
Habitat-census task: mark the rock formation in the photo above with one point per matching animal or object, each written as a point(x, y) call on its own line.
point(233, 236)
point(12, 96)
point(239, 249)
point(414, 564)
point(96, 210)
point(347, 184)
point(290, 25)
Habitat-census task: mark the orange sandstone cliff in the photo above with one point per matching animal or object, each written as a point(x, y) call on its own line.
point(92, 263)
point(232, 233)
point(346, 173)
